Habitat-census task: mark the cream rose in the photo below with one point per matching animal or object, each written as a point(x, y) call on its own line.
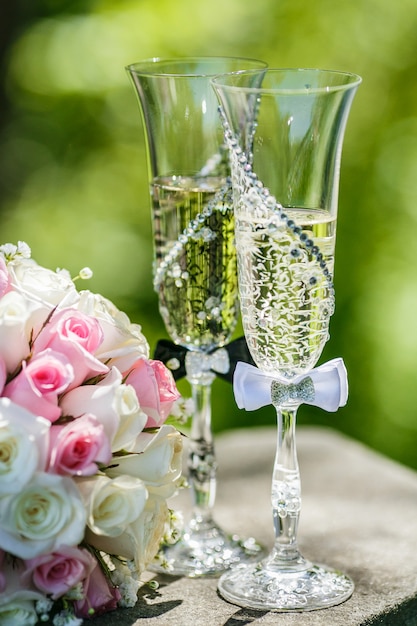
point(42, 284)
point(123, 342)
point(46, 513)
point(132, 419)
point(148, 531)
point(113, 403)
point(157, 460)
point(141, 540)
point(17, 603)
point(112, 504)
point(23, 446)
point(15, 313)
point(19, 609)
point(96, 399)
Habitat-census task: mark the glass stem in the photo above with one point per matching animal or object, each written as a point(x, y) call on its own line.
point(286, 493)
point(202, 464)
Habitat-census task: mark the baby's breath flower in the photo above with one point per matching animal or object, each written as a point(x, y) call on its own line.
point(176, 518)
point(182, 483)
point(153, 584)
point(182, 409)
point(43, 606)
point(163, 562)
point(11, 252)
point(173, 528)
point(84, 274)
point(66, 618)
point(129, 592)
point(127, 580)
point(76, 593)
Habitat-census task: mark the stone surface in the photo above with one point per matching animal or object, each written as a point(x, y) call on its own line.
point(359, 514)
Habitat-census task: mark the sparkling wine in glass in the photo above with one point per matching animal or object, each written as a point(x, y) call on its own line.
point(195, 271)
point(285, 177)
point(198, 291)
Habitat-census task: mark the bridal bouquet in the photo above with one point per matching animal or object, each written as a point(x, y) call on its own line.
point(87, 461)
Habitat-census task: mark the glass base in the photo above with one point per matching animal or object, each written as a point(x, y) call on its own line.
point(270, 589)
point(207, 551)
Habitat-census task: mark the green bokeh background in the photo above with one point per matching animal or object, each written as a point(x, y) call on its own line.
point(73, 179)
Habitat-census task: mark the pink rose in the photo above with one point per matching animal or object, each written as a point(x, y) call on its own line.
point(60, 571)
point(39, 383)
point(77, 447)
point(100, 596)
point(76, 335)
point(156, 390)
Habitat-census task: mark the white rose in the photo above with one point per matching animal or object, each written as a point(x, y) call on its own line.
point(97, 399)
point(19, 609)
point(24, 440)
point(123, 342)
point(149, 530)
point(46, 513)
point(112, 504)
point(141, 540)
point(42, 284)
point(113, 403)
point(15, 313)
point(22, 317)
point(157, 460)
point(132, 418)
point(17, 604)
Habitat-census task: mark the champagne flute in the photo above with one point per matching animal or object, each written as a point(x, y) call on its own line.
point(195, 274)
point(286, 195)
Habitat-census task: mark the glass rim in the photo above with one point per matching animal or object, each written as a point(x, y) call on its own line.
point(149, 67)
point(221, 81)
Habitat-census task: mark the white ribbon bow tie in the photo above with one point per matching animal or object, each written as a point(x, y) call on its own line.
point(325, 386)
point(198, 362)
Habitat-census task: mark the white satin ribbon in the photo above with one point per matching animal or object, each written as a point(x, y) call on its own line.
point(329, 388)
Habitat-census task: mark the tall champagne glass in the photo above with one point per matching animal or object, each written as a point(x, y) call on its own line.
point(195, 272)
point(286, 195)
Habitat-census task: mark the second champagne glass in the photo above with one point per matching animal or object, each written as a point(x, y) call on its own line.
point(195, 272)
